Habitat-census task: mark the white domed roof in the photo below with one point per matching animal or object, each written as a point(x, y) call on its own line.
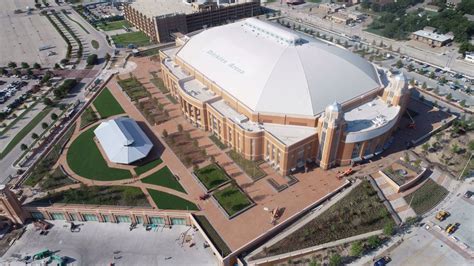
point(271, 69)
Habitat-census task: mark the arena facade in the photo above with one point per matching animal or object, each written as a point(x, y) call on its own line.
point(275, 95)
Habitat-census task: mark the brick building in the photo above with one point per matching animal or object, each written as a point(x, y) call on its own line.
point(271, 94)
point(159, 19)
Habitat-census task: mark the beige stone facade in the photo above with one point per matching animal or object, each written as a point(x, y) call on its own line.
point(330, 144)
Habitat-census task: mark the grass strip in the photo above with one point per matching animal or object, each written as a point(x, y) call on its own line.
point(24, 131)
point(167, 201)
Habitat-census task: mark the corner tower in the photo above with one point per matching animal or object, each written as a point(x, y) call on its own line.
point(331, 125)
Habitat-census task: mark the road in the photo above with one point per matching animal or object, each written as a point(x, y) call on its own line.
point(457, 94)
point(447, 58)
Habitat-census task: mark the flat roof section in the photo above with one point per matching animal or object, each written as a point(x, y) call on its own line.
point(156, 8)
point(197, 90)
point(175, 69)
point(433, 36)
point(289, 134)
point(370, 120)
point(222, 107)
point(370, 115)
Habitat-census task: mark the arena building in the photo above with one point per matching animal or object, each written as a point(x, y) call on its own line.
point(272, 94)
point(160, 19)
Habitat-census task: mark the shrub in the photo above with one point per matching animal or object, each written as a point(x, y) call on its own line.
point(357, 249)
point(54, 116)
point(335, 260)
point(164, 133)
point(23, 147)
point(92, 59)
point(389, 229)
point(373, 241)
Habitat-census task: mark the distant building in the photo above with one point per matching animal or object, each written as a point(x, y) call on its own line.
point(428, 35)
point(339, 18)
point(354, 15)
point(469, 57)
point(159, 19)
point(330, 7)
point(453, 3)
point(431, 8)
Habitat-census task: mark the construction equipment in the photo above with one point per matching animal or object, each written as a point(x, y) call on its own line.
point(41, 225)
point(42, 254)
point(442, 215)
point(60, 260)
point(451, 228)
point(347, 172)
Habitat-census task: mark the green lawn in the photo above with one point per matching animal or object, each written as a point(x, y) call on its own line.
point(211, 176)
point(114, 25)
point(167, 201)
point(107, 105)
point(25, 131)
point(426, 197)
point(88, 117)
point(232, 199)
point(95, 44)
point(85, 159)
point(164, 178)
point(136, 38)
point(148, 166)
point(99, 195)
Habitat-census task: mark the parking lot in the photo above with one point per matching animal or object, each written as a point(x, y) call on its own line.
point(461, 212)
point(12, 91)
point(106, 243)
point(423, 248)
point(25, 34)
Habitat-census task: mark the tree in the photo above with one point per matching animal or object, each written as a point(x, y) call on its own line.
point(29, 72)
point(410, 67)
point(44, 125)
point(36, 66)
point(373, 241)
point(34, 136)
point(164, 133)
point(47, 101)
point(179, 127)
point(424, 86)
point(92, 59)
point(455, 148)
point(356, 249)
point(3, 71)
point(335, 260)
point(449, 97)
point(425, 146)
point(57, 66)
point(462, 103)
point(25, 65)
point(12, 64)
point(23, 147)
point(54, 116)
point(399, 64)
point(471, 145)
point(107, 57)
